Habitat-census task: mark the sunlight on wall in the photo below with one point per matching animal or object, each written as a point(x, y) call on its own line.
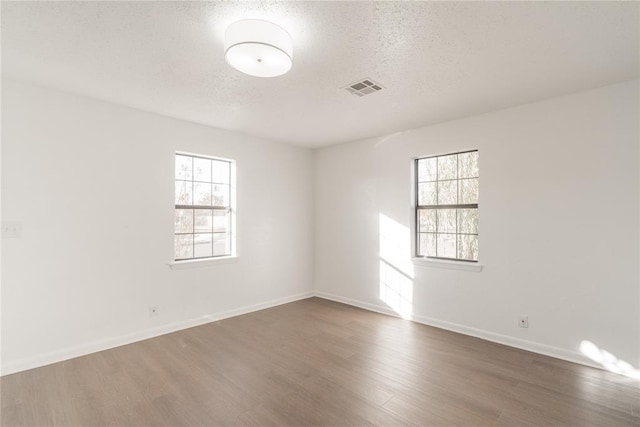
point(396, 290)
point(395, 245)
point(396, 268)
point(608, 361)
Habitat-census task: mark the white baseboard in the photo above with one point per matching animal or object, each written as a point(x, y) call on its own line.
point(95, 346)
point(356, 303)
point(547, 350)
point(105, 344)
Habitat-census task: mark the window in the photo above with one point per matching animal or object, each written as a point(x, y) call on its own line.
point(447, 206)
point(203, 201)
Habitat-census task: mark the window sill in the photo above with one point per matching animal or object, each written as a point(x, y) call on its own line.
point(451, 265)
point(198, 263)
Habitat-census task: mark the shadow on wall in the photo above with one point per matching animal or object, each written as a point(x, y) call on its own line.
point(396, 267)
point(608, 361)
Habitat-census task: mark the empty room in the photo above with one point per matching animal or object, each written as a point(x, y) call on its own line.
point(320, 213)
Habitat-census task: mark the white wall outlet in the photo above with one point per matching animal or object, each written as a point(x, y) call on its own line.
point(11, 229)
point(523, 321)
point(154, 310)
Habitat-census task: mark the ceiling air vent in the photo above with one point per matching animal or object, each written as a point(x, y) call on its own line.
point(363, 87)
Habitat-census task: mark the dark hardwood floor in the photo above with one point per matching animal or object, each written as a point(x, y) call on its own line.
point(316, 362)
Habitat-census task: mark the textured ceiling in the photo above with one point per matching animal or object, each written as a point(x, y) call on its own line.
point(437, 60)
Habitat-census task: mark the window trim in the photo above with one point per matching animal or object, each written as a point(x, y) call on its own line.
point(435, 261)
point(232, 256)
point(447, 263)
point(202, 262)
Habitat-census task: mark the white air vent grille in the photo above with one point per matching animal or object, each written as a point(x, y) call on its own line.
point(363, 87)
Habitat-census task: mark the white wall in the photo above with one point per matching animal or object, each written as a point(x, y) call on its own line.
point(559, 222)
point(92, 185)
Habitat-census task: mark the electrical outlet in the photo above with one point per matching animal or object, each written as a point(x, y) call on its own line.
point(11, 229)
point(523, 321)
point(154, 310)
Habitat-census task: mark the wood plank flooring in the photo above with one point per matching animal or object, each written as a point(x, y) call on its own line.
point(316, 362)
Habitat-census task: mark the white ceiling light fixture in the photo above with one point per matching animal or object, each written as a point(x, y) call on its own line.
point(258, 48)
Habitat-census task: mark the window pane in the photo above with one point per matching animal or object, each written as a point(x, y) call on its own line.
point(184, 246)
point(221, 244)
point(468, 221)
point(428, 169)
point(447, 192)
point(427, 193)
point(184, 194)
point(201, 169)
point(448, 167)
point(202, 194)
point(220, 221)
point(468, 165)
point(221, 172)
point(206, 183)
point(448, 231)
point(468, 247)
point(427, 220)
point(446, 220)
point(220, 195)
point(203, 220)
point(469, 190)
point(427, 245)
point(203, 244)
point(446, 245)
point(184, 221)
point(183, 167)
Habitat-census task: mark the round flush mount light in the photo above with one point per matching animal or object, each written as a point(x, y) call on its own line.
point(258, 48)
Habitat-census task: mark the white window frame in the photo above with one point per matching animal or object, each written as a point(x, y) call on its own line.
point(434, 261)
point(231, 208)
